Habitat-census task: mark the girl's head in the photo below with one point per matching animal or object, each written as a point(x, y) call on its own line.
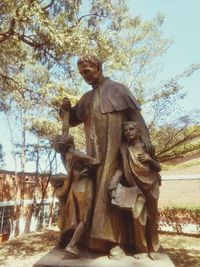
point(131, 130)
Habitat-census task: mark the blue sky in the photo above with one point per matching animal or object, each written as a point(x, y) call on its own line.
point(182, 23)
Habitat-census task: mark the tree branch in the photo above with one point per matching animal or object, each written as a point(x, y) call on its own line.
point(182, 141)
point(171, 156)
point(87, 15)
point(48, 6)
point(142, 65)
point(28, 40)
point(6, 78)
point(9, 33)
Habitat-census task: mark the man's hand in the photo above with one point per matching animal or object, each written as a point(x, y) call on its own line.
point(66, 104)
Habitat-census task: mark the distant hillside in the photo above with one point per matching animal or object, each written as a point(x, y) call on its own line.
point(187, 165)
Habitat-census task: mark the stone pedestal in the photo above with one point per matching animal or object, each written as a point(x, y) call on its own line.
point(59, 258)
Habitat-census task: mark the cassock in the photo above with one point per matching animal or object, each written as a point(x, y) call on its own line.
point(103, 111)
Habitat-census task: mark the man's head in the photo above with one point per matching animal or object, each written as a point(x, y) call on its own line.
point(90, 69)
point(131, 130)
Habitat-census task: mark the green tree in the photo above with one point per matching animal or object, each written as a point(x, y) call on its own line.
point(58, 32)
point(40, 42)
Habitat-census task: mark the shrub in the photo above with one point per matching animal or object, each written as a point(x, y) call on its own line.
point(178, 217)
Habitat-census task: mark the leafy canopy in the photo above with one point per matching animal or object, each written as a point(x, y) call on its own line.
point(39, 45)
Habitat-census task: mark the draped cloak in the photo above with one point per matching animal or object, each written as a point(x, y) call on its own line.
point(146, 178)
point(138, 173)
point(103, 111)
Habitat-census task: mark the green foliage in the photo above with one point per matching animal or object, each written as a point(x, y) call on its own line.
point(173, 141)
point(58, 32)
point(39, 45)
point(44, 128)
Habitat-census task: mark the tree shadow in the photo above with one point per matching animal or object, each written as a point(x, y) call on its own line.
point(28, 245)
point(43, 241)
point(184, 257)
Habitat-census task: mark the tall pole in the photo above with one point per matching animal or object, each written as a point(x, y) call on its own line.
point(65, 126)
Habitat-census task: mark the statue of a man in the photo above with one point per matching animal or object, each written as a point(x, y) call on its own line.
point(103, 110)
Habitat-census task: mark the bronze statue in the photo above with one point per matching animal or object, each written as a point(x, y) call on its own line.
point(103, 110)
point(75, 193)
point(140, 194)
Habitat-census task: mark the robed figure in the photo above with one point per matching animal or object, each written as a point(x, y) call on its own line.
point(103, 111)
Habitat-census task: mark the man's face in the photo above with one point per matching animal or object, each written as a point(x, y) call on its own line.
point(90, 73)
point(130, 132)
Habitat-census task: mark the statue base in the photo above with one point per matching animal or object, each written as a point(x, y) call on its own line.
point(60, 258)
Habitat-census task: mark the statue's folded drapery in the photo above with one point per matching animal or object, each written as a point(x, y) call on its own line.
point(103, 111)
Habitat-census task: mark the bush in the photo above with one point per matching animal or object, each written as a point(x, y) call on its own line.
point(178, 218)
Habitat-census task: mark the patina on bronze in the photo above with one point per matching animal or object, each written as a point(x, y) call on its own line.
point(103, 110)
point(74, 191)
point(140, 193)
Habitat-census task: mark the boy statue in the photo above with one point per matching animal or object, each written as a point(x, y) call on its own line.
point(75, 193)
point(139, 189)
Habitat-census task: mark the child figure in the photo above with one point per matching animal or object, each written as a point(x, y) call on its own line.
point(75, 193)
point(142, 180)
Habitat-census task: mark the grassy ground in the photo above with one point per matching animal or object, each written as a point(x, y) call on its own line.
point(181, 167)
point(183, 251)
point(180, 193)
point(28, 249)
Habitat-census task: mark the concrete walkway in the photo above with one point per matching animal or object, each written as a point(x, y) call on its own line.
point(181, 177)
